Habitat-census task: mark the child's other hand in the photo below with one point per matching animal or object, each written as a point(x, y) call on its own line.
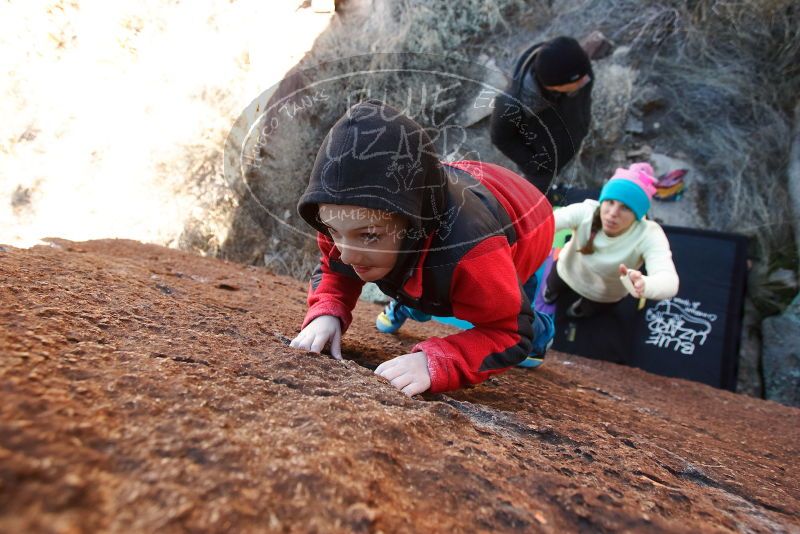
point(636, 279)
point(316, 335)
point(408, 373)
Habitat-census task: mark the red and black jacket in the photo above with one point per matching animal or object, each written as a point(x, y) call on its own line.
point(487, 233)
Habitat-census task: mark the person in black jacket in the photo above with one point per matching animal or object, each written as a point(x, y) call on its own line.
point(541, 119)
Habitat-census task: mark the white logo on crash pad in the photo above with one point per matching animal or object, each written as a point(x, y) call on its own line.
point(678, 324)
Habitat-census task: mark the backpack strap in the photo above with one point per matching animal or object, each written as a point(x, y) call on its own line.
point(524, 63)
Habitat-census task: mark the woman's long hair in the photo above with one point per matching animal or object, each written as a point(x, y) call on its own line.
point(597, 224)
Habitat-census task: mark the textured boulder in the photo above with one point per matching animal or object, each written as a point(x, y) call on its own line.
point(794, 179)
point(145, 389)
point(781, 355)
point(749, 377)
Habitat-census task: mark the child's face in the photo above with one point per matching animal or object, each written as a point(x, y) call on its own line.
point(368, 239)
point(616, 217)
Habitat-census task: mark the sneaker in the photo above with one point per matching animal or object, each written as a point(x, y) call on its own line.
point(530, 362)
point(544, 329)
point(391, 318)
point(548, 295)
point(535, 360)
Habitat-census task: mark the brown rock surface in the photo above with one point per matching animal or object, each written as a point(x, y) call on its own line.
point(145, 389)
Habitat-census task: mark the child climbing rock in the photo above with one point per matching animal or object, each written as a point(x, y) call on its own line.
point(611, 240)
point(451, 239)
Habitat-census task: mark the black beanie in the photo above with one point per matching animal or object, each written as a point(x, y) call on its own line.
point(561, 61)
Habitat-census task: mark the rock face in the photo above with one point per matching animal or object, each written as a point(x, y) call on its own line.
point(145, 389)
point(781, 355)
point(794, 178)
point(749, 380)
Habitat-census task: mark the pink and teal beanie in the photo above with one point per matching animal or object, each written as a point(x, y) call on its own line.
point(634, 187)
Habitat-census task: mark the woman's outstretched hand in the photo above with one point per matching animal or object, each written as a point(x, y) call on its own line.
point(408, 373)
point(318, 333)
point(633, 280)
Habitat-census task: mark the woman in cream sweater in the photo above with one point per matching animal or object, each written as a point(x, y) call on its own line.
point(611, 240)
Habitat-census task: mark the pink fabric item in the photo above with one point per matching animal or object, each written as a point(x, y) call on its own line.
point(639, 173)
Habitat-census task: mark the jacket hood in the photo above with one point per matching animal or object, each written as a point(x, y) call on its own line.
point(376, 157)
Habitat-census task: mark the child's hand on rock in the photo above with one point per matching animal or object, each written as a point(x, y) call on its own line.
point(408, 373)
point(633, 280)
point(318, 333)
